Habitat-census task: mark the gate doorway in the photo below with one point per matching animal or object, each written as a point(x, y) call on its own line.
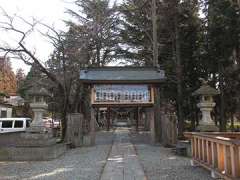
point(132, 117)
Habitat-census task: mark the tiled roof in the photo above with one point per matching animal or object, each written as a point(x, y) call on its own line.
point(122, 74)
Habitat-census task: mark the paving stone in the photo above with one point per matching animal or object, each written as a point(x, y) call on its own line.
point(123, 163)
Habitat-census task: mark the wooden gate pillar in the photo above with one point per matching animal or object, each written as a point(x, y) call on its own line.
point(108, 118)
point(151, 118)
point(137, 119)
point(92, 127)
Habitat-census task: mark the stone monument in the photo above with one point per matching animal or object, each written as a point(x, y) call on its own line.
point(206, 105)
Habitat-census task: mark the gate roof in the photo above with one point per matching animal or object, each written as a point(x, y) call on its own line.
point(136, 75)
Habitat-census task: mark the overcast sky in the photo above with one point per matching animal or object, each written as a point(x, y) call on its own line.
point(48, 11)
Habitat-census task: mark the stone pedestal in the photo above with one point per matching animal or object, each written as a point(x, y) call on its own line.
point(35, 153)
point(36, 139)
point(30, 147)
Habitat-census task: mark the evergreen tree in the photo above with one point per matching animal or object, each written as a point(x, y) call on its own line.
point(100, 21)
point(222, 47)
point(136, 32)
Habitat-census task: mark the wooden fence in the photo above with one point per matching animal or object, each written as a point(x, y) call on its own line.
point(218, 152)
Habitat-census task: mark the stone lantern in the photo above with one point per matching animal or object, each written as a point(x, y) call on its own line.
point(206, 105)
point(38, 104)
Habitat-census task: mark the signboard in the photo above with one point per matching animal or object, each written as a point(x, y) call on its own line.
point(121, 94)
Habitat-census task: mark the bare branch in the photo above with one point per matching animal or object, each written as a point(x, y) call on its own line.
point(42, 69)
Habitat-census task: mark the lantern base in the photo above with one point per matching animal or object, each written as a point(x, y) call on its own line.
point(38, 130)
point(207, 128)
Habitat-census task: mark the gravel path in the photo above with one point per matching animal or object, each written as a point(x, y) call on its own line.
point(160, 163)
point(87, 163)
point(77, 164)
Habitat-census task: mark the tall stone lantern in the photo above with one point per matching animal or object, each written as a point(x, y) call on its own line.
point(206, 105)
point(38, 104)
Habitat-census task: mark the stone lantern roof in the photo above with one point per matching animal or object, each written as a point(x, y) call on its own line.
point(36, 91)
point(205, 89)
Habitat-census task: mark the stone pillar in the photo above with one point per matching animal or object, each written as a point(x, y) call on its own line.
point(92, 127)
point(74, 133)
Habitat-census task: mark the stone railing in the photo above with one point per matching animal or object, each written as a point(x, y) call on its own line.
point(218, 152)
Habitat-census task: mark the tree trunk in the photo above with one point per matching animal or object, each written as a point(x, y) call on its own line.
point(157, 115)
point(157, 122)
point(64, 118)
point(98, 52)
point(223, 122)
point(76, 101)
point(232, 122)
point(179, 81)
point(154, 29)
point(192, 114)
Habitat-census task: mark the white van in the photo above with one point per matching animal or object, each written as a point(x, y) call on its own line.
point(14, 124)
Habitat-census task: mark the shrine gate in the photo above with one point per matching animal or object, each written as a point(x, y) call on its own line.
point(123, 87)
